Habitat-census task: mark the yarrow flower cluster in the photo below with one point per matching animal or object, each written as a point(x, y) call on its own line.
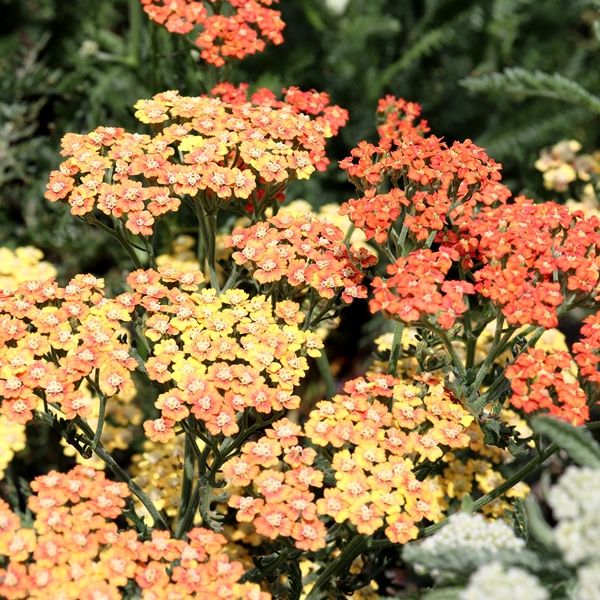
point(23, 264)
point(304, 252)
point(75, 550)
point(496, 582)
point(417, 289)
point(230, 149)
point(586, 350)
point(534, 258)
point(222, 30)
point(472, 532)
point(563, 165)
point(218, 355)
point(417, 178)
point(53, 339)
point(575, 503)
point(545, 381)
point(374, 452)
point(13, 440)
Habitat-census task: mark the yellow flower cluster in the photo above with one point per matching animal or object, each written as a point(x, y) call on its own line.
point(566, 170)
point(217, 355)
point(157, 470)
point(13, 440)
point(376, 455)
point(23, 264)
point(17, 266)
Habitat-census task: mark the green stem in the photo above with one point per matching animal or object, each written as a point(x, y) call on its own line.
point(121, 474)
point(101, 417)
point(340, 565)
point(396, 348)
point(135, 33)
point(187, 482)
point(325, 370)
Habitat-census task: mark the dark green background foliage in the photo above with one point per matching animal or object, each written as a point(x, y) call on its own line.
point(514, 75)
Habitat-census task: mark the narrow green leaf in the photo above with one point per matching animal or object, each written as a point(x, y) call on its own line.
point(577, 442)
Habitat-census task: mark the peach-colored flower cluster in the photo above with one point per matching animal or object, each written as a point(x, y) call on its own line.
point(74, 549)
point(304, 251)
point(416, 177)
point(545, 381)
point(207, 147)
point(219, 355)
point(417, 288)
point(223, 30)
point(53, 339)
point(375, 453)
point(281, 482)
point(586, 351)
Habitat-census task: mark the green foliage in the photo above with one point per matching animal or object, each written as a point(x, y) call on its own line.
point(523, 83)
point(577, 442)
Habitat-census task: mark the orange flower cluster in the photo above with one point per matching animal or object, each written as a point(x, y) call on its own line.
point(74, 549)
point(545, 381)
point(375, 453)
point(587, 350)
point(218, 355)
point(416, 177)
point(305, 252)
point(225, 30)
point(54, 339)
point(531, 255)
point(207, 147)
point(417, 288)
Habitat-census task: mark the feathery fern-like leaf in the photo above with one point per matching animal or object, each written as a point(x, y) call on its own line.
point(521, 82)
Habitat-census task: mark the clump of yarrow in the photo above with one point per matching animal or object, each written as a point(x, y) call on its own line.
point(466, 531)
point(464, 543)
point(575, 503)
point(497, 582)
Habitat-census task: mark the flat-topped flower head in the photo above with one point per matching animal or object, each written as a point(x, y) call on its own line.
point(222, 31)
point(306, 252)
point(219, 148)
point(74, 545)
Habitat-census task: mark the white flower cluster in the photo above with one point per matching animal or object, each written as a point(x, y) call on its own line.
point(575, 502)
point(472, 531)
point(337, 7)
point(495, 582)
point(588, 582)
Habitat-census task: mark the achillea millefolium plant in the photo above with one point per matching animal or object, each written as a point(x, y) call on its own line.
point(185, 385)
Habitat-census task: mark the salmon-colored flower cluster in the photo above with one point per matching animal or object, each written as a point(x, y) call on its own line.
point(75, 550)
point(218, 355)
point(222, 30)
point(531, 255)
point(281, 482)
point(207, 148)
point(586, 351)
point(53, 339)
point(416, 179)
point(304, 251)
point(546, 381)
point(417, 287)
